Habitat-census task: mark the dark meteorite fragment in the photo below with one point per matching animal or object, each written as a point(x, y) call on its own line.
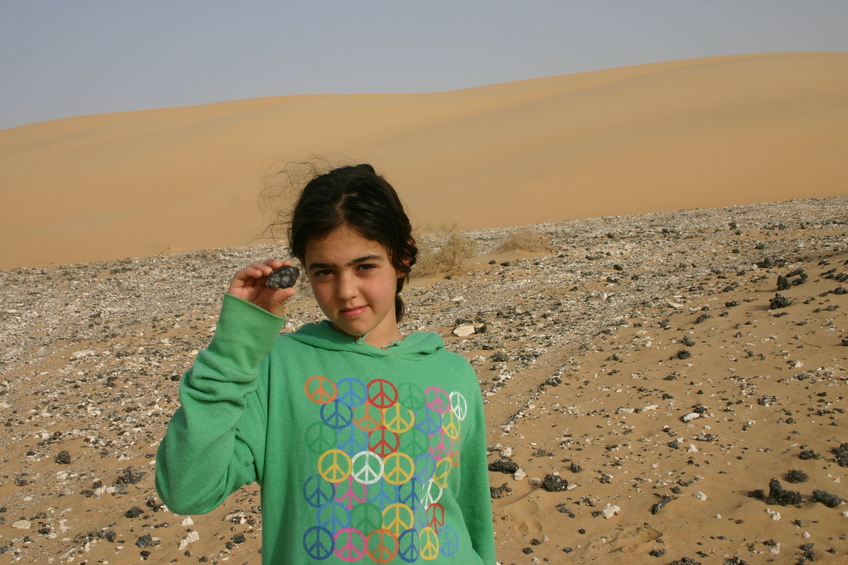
point(783, 497)
point(796, 476)
point(830, 500)
point(284, 277)
point(553, 483)
point(501, 466)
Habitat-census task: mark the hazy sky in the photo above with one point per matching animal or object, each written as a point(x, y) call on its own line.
point(68, 58)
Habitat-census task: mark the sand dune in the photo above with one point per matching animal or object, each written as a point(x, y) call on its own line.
point(682, 134)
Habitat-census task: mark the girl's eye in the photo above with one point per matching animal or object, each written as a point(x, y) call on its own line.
point(367, 267)
point(322, 273)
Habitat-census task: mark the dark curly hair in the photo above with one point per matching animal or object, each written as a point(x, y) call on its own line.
point(360, 198)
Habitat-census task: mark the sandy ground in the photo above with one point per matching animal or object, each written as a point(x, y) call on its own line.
point(643, 381)
point(666, 136)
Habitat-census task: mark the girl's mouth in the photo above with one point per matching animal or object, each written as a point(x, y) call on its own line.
point(352, 312)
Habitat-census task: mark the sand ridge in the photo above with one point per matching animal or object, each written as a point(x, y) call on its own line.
point(665, 136)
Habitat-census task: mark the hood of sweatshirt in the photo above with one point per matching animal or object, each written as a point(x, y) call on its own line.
point(416, 345)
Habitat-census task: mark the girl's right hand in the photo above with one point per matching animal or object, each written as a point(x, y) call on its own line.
point(249, 284)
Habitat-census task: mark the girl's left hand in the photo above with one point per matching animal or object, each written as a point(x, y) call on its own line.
point(249, 284)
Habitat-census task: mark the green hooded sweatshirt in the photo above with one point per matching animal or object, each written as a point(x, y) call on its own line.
point(363, 454)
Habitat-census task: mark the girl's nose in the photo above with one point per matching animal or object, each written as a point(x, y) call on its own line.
point(346, 287)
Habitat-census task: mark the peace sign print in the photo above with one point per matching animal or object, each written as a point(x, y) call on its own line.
point(398, 419)
point(397, 518)
point(382, 494)
point(450, 424)
point(408, 493)
point(428, 544)
point(352, 440)
point(351, 544)
point(320, 438)
point(436, 516)
point(367, 467)
point(320, 390)
point(425, 466)
point(352, 392)
point(437, 399)
point(367, 417)
point(336, 415)
point(334, 465)
point(383, 442)
point(459, 405)
point(408, 546)
point(411, 395)
point(318, 543)
point(334, 516)
point(443, 469)
point(398, 468)
point(439, 445)
point(382, 545)
point(449, 541)
point(431, 493)
point(428, 420)
point(318, 492)
point(382, 394)
point(366, 517)
point(354, 493)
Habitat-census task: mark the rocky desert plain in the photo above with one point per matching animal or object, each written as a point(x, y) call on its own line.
point(651, 395)
point(664, 376)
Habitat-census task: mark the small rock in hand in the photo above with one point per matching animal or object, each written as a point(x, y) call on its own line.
point(284, 277)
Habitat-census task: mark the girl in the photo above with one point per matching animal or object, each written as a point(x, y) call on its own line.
point(369, 445)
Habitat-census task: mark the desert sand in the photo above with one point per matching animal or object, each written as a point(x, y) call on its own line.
point(645, 379)
point(666, 136)
point(642, 384)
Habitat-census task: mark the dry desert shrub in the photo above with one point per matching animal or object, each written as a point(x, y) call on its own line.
point(443, 252)
point(525, 239)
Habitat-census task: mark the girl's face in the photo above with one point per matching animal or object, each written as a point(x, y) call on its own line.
point(354, 283)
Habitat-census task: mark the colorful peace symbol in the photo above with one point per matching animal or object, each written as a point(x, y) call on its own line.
point(428, 544)
point(319, 438)
point(411, 396)
point(366, 517)
point(334, 465)
point(408, 545)
point(408, 493)
point(436, 516)
point(428, 420)
point(320, 390)
point(437, 399)
point(440, 445)
point(367, 417)
point(336, 415)
point(334, 516)
point(351, 392)
point(352, 494)
point(351, 544)
point(459, 406)
point(425, 466)
point(318, 543)
point(398, 518)
point(352, 440)
point(449, 541)
point(383, 442)
point(398, 419)
point(317, 492)
point(367, 467)
point(450, 424)
point(382, 394)
point(398, 468)
point(382, 545)
point(443, 469)
point(382, 494)
point(431, 493)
